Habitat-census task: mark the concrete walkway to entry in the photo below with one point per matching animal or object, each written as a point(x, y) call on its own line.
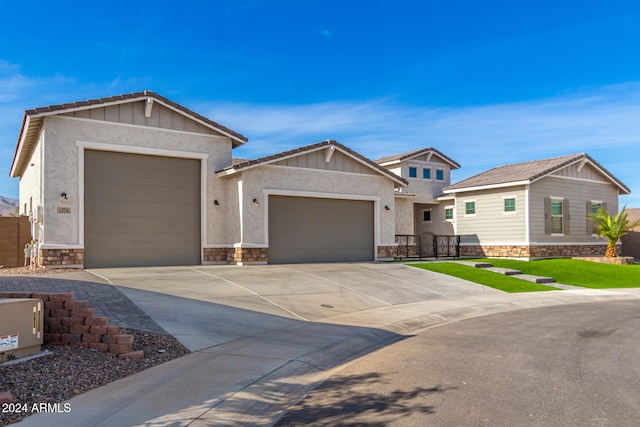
point(263, 336)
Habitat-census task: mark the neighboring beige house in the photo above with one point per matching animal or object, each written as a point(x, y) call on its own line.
point(631, 240)
point(137, 179)
point(534, 209)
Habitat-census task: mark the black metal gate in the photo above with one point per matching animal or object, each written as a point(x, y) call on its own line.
point(427, 245)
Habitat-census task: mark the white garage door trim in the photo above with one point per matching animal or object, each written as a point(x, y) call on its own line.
point(132, 149)
point(320, 195)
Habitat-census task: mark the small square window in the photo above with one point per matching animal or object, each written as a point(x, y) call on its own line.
point(426, 173)
point(470, 208)
point(426, 215)
point(510, 205)
point(448, 213)
point(413, 172)
point(439, 175)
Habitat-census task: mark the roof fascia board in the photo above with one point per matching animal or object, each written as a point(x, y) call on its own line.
point(430, 153)
point(394, 177)
point(389, 163)
point(486, 187)
point(389, 174)
point(131, 100)
point(18, 154)
point(177, 110)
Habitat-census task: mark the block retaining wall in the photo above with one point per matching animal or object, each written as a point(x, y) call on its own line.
point(71, 322)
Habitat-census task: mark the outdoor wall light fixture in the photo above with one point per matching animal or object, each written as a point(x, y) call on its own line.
point(255, 201)
point(387, 208)
point(63, 197)
point(216, 202)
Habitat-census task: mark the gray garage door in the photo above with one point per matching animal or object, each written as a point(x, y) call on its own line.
point(315, 230)
point(140, 210)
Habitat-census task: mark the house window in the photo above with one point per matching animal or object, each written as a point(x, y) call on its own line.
point(413, 172)
point(448, 214)
point(510, 204)
point(439, 175)
point(426, 173)
point(556, 216)
point(470, 208)
point(426, 215)
point(593, 208)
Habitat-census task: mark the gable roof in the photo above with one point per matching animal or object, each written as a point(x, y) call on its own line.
point(248, 164)
point(527, 173)
point(32, 122)
point(633, 214)
point(397, 158)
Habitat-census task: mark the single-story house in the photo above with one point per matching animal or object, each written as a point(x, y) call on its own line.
point(136, 179)
point(533, 209)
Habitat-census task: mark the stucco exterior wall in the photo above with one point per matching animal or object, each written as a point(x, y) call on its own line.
point(490, 225)
point(425, 189)
point(437, 225)
point(257, 183)
point(404, 215)
point(578, 193)
point(63, 168)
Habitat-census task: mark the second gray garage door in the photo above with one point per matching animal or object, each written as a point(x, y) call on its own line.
point(141, 210)
point(305, 229)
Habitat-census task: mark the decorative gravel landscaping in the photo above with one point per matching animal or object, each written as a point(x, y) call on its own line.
point(71, 370)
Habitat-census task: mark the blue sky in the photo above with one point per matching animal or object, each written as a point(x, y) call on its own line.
point(487, 83)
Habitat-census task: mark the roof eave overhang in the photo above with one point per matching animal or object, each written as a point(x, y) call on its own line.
point(30, 124)
point(231, 170)
point(29, 133)
point(485, 187)
point(238, 141)
point(450, 162)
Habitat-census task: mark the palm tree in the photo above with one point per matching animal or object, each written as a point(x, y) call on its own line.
point(612, 228)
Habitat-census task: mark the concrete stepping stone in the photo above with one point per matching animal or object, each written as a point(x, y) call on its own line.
point(505, 271)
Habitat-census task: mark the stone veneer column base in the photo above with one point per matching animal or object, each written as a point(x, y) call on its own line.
point(387, 252)
point(61, 258)
point(251, 255)
point(533, 251)
point(217, 255)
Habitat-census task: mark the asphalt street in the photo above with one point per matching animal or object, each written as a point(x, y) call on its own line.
point(571, 365)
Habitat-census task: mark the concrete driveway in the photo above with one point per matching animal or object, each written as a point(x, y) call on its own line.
point(264, 336)
point(205, 306)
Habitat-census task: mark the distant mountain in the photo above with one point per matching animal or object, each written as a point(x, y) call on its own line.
point(7, 206)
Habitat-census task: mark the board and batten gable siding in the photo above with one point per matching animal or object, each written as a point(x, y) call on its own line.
point(579, 193)
point(339, 162)
point(133, 113)
point(490, 224)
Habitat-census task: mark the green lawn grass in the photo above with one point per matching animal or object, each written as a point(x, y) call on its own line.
point(483, 277)
point(575, 272)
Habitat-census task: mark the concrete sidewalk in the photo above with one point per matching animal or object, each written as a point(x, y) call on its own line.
point(250, 366)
